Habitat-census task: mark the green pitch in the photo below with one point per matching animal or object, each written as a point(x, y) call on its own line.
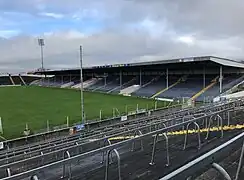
point(36, 105)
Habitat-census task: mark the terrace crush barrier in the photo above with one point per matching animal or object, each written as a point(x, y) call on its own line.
point(176, 121)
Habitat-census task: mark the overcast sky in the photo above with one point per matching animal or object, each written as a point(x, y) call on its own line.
point(117, 31)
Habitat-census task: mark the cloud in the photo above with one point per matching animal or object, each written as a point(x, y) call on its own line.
point(189, 40)
point(118, 31)
point(9, 33)
point(52, 15)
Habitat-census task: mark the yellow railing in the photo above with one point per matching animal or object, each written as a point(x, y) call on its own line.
point(190, 131)
point(213, 82)
point(165, 89)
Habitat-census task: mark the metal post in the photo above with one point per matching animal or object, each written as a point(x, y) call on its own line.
point(154, 148)
point(222, 171)
point(204, 77)
point(105, 80)
point(66, 153)
point(8, 172)
point(48, 128)
point(26, 126)
point(81, 87)
point(167, 78)
point(42, 61)
point(100, 115)
point(118, 163)
point(1, 126)
point(220, 79)
point(41, 44)
point(120, 79)
point(67, 121)
point(137, 133)
point(198, 134)
point(228, 116)
point(113, 113)
point(140, 78)
point(240, 163)
point(34, 177)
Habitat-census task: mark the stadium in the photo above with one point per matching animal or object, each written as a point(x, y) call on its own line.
point(169, 119)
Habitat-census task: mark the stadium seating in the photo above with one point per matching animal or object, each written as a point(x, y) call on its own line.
point(90, 82)
point(151, 85)
point(5, 80)
point(96, 85)
point(29, 79)
point(228, 82)
point(46, 82)
point(113, 84)
point(66, 85)
point(129, 90)
point(127, 81)
point(185, 88)
point(76, 85)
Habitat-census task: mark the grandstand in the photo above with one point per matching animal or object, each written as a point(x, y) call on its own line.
point(196, 78)
point(20, 79)
point(178, 143)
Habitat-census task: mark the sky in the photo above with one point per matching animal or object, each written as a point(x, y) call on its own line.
point(117, 31)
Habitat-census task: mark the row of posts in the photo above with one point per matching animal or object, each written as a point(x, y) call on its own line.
point(115, 113)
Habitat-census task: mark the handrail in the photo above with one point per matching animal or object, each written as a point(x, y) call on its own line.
point(154, 148)
point(198, 134)
point(69, 170)
point(113, 146)
point(221, 170)
point(219, 121)
point(136, 133)
point(107, 163)
point(205, 156)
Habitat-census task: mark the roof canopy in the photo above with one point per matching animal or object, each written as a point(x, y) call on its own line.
point(218, 60)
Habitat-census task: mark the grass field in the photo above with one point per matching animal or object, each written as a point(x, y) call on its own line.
point(36, 105)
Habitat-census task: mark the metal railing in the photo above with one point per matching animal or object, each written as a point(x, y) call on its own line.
point(144, 132)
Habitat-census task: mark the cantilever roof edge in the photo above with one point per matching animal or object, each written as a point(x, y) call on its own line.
point(222, 61)
point(227, 62)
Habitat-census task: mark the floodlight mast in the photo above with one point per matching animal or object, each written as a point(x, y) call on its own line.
point(81, 87)
point(41, 44)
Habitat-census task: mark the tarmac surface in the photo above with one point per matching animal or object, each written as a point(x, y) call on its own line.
point(135, 164)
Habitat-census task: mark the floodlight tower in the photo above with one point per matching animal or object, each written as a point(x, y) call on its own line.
point(81, 87)
point(41, 44)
